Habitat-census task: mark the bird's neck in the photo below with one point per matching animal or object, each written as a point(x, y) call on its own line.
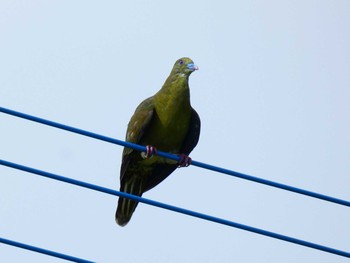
point(173, 100)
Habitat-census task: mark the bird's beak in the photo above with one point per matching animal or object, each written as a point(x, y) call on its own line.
point(192, 66)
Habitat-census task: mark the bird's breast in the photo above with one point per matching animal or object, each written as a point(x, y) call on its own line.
point(168, 129)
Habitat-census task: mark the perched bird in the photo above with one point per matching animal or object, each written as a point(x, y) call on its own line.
point(167, 122)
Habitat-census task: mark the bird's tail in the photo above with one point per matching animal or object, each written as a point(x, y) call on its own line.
point(126, 207)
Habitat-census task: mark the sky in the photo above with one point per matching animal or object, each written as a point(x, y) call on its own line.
point(272, 91)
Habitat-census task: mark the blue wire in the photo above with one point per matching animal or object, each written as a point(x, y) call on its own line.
point(43, 251)
point(176, 209)
point(177, 158)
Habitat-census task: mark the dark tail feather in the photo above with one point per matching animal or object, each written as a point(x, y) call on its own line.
point(126, 207)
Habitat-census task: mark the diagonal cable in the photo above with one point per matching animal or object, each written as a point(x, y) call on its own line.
point(176, 209)
point(177, 158)
point(43, 251)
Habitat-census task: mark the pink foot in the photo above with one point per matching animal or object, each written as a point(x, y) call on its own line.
point(150, 151)
point(184, 160)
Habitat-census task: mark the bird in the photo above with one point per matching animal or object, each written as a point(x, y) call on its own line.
point(167, 122)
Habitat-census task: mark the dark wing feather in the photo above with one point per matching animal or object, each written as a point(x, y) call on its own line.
point(192, 137)
point(130, 183)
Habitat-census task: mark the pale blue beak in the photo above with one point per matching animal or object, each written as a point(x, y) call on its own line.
point(192, 66)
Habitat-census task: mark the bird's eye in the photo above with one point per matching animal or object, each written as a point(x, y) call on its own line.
point(181, 62)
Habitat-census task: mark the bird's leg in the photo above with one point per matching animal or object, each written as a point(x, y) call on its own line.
point(150, 151)
point(184, 160)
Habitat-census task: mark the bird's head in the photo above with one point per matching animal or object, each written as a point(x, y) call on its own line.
point(184, 67)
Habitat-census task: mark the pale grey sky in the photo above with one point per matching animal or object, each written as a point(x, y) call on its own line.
point(274, 99)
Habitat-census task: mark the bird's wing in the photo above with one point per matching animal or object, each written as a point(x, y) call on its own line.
point(192, 136)
point(137, 127)
point(140, 121)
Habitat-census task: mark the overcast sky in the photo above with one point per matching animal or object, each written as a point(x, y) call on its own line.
point(273, 93)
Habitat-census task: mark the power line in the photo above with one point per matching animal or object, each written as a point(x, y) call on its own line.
point(176, 158)
point(43, 251)
point(175, 209)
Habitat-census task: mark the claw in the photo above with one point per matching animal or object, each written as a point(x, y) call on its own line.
point(150, 151)
point(184, 161)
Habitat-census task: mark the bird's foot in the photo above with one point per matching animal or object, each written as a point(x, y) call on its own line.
point(184, 160)
point(150, 151)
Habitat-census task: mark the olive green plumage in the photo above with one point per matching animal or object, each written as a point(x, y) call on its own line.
point(169, 123)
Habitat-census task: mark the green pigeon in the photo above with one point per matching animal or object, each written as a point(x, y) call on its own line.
point(167, 122)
